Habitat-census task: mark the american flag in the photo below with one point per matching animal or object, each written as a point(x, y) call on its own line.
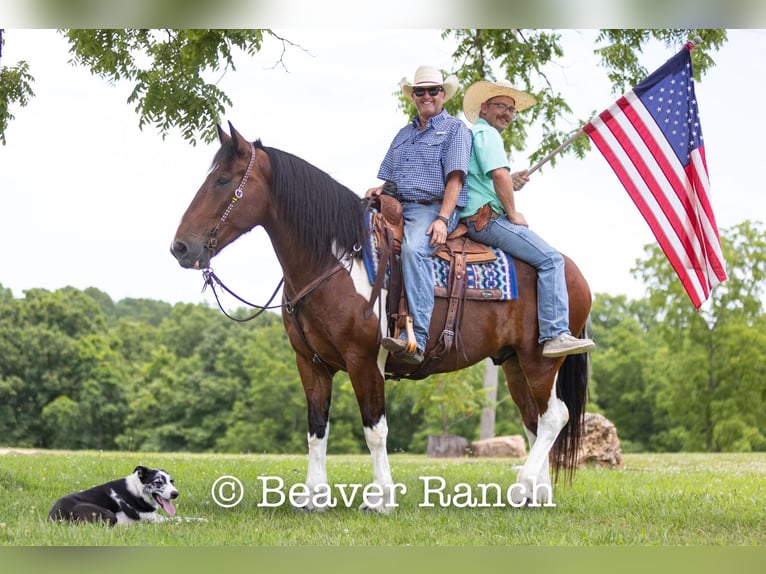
point(652, 138)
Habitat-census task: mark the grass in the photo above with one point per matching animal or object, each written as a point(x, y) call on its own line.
point(657, 500)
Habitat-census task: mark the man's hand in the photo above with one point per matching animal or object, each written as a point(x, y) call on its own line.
point(373, 191)
point(518, 218)
point(520, 179)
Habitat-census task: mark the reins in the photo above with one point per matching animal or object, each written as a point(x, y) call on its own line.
point(290, 304)
point(212, 279)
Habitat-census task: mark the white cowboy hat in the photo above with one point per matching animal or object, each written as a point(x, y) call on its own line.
point(481, 91)
point(428, 76)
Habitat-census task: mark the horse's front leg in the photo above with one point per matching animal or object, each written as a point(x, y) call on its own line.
point(369, 387)
point(317, 384)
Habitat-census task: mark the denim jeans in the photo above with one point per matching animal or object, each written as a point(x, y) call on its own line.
point(524, 244)
point(417, 265)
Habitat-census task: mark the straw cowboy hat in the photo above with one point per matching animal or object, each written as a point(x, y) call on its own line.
point(427, 76)
point(481, 91)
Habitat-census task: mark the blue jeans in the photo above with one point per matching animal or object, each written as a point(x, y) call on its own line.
point(524, 244)
point(417, 265)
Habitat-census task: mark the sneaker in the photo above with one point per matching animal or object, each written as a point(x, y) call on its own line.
point(566, 344)
point(393, 345)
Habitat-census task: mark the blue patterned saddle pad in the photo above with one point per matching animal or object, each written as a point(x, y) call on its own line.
point(497, 277)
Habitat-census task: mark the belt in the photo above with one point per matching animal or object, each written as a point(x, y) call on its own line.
point(422, 201)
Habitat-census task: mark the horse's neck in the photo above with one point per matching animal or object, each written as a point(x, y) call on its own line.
point(298, 268)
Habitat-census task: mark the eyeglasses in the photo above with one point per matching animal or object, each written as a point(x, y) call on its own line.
point(503, 108)
point(432, 91)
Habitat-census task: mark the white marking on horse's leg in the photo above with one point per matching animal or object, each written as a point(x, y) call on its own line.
point(534, 476)
point(317, 467)
point(381, 471)
point(544, 477)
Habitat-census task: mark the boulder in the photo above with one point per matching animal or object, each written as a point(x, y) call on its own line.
point(512, 446)
point(450, 446)
point(599, 445)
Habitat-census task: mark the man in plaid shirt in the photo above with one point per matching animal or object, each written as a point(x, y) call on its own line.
point(428, 161)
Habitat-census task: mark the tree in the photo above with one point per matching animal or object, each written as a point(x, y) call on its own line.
point(174, 72)
point(713, 383)
point(15, 88)
point(623, 369)
point(522, 56)
point(171, 72)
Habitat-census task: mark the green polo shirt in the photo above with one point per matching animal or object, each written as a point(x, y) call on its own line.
point(487, 154)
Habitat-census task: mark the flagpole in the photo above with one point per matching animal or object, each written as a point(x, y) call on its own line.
point(559, 149)
point(689, 45)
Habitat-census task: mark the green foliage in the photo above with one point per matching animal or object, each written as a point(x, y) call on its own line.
point(672, 378)
point(15, 88)
point(174, 73)
point(80, 371)
point(523, 56)
point(168, 70)
point(621, 53)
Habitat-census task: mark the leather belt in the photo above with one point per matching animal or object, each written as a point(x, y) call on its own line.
point(422, 201)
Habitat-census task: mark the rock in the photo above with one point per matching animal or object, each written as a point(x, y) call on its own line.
point(599, 445)
point(512, 446)
point(451, 446)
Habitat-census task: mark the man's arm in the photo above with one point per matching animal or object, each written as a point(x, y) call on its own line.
point(438, 229)
point(503, 182)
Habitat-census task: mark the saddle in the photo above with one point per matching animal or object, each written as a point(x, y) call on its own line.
point(388, 226)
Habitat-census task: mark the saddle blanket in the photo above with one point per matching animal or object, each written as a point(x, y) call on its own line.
point(495, 280)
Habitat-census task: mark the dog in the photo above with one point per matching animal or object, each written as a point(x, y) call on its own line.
point(123, 501)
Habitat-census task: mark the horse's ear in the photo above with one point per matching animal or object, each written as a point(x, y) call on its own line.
point(223, 137)
point(242, 143)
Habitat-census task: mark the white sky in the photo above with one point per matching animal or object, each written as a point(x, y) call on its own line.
point(87, 199)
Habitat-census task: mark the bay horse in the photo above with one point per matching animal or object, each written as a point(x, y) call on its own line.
point(317, 228)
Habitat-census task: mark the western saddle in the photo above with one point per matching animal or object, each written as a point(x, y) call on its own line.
point(388, 227)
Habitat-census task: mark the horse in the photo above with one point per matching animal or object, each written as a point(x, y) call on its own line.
point(317, 227)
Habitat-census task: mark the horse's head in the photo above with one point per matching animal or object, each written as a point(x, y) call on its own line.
point(230, 202)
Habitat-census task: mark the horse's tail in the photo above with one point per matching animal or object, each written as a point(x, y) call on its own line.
point(573, 390)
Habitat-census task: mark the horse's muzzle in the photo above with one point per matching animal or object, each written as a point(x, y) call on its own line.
point(189, 257)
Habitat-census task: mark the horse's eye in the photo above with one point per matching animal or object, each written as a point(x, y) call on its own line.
point(222, 180)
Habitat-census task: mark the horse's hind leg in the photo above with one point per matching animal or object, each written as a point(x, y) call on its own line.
point(369, 387)
point(544, 415)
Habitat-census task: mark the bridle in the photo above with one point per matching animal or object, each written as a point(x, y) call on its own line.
point(290, 304)
point(212, 240)
point(209, 276)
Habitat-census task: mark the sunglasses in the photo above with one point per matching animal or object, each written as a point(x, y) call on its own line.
point(433, 91)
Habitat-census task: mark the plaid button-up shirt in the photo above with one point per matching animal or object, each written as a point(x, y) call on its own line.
point(419, 162)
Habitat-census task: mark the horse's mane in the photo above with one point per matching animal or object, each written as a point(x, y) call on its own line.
point(323, 214)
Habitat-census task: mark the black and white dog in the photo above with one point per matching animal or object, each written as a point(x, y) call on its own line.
point(123, 501)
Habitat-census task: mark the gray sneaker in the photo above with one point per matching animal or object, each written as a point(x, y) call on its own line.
point(393, 345)
point(566, 344)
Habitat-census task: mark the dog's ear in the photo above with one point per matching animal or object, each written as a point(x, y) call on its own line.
point(141, 470)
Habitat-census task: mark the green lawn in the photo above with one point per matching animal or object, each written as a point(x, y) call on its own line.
point(657, 500)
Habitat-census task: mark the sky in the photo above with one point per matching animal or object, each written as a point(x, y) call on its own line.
point(88, 199)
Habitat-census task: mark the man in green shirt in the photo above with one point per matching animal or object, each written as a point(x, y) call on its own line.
point(491, 214)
